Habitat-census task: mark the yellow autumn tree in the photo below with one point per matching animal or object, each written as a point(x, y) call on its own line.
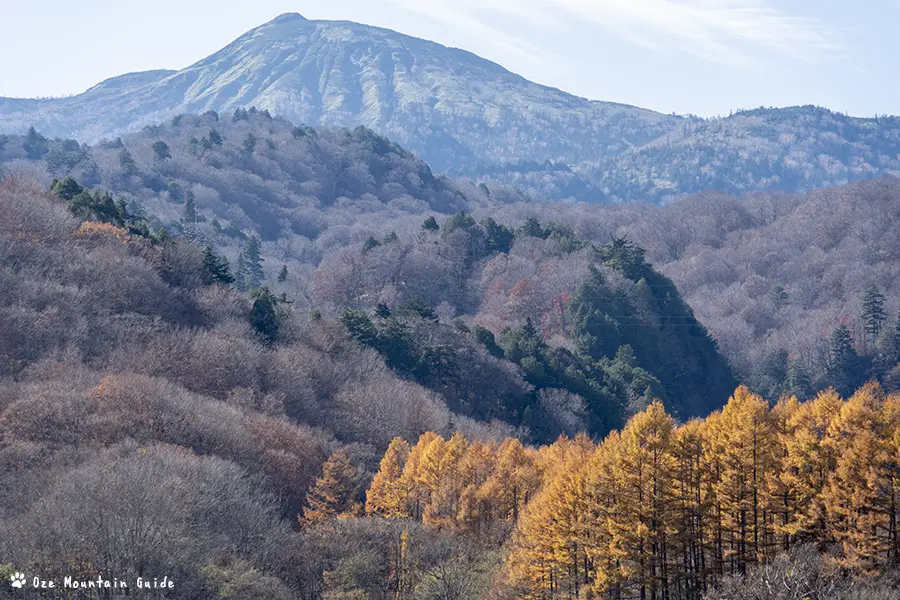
point(512, 481)
point(657, 511)
point(890, 416)
point(857, 498)
point(809, 460)
point(334, 492)
point(693, 498)
point(602, 494)
point(388, 495)
point(643, 517)
point(550, 558)
point(744, 443)
point(473, 511)
point(412, 477)
point(442, 476)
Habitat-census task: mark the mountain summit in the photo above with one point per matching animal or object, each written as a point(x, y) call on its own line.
point(468, 116)
point(448, 105)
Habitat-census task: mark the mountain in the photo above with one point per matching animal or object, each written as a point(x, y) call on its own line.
point(470, 117)
point(423, 95)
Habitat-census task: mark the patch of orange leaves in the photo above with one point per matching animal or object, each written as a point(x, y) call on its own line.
point(94, 230)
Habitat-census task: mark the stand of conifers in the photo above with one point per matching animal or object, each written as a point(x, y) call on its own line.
point(660, 509)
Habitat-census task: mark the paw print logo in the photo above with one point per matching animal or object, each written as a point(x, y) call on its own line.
point(17, 579)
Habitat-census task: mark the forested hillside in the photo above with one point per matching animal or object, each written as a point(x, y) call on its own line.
point(155, 420)
point(469, 117)
point(217, 332)
point(143, 398)
point(143, 395)
point(787, 284)
point(773, 276)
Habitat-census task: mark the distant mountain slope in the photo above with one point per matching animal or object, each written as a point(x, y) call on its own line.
point(470, 117)
point(449, 106)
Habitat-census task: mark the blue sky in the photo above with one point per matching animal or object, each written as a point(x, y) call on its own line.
point(705, 57)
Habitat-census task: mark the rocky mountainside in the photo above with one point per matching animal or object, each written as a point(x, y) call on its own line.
point(450, 106)
point(470, 117)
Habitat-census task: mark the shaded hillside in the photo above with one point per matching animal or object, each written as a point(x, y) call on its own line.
point(616, 337)
point(470, 117)
point(771, 275)
point(597, 323)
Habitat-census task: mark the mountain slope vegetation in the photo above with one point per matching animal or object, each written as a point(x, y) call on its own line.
point(317, 198)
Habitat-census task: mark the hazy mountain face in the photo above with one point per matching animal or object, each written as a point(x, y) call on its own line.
point(468, 116)
point(451, 107)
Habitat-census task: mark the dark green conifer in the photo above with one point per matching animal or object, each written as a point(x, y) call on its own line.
point(263, 315)
point(35, 145)
point(843, 361)
point(66, 189)
point(430, 224)
point(161, 150)
point(217, 267)
point(369, 244)
point(873, 313)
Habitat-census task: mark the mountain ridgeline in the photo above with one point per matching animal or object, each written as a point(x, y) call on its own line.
point(468, 116)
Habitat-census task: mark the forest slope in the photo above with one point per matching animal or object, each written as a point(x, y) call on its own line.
point(771, 275)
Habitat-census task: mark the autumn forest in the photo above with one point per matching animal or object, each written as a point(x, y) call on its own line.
point(277, 362)
point(658, 510)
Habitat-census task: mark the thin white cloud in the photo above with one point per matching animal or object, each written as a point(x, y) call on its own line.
point(722, 31)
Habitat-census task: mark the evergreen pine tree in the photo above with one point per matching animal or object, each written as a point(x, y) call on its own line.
point(66, 189)
point(778, 296)
point(430, 224)
point(35, 145)
point(263, 316)
point(369, 244)
point(217, 267)
point(460, 220)
point(215, 137)
point(126, 161)
point(843, 361)
point(499, 238)
point(283, 274)
point(873, 312)
point(189, 214)
point(532, 228)
point(799, 383)
point(249, 269)
point(161, 150)
point(897, 340)
point(249, 144)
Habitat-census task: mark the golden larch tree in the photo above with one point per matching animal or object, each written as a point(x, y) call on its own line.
point(334, 492)
point(388, 495)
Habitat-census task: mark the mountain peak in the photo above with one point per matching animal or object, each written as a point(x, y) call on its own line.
point(288, 17)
